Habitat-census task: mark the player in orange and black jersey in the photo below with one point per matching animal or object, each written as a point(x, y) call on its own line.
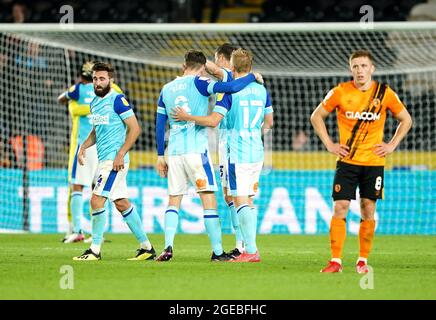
point(361, 106)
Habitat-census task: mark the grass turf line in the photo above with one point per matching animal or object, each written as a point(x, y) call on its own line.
point(30, 269)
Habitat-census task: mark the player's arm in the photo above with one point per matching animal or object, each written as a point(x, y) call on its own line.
point(71, 94)
point(208, 87)
point(212, 120)
point(215, 71)
point(318, 122)
point(268, 120)
point(124, 110)
point(62, 99)
point(161, 122)
point(89, 141)
point(405, 123)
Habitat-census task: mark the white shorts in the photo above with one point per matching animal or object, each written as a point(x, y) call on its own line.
point(224, 174)
point(244, 178)
point(223, 161)
point(84, 175)
point(111, 184)
point(196, 168)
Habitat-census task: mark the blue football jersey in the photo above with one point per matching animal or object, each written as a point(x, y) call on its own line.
point(245, 112)
point(108, 115)
point(80, 94)
point(190, 93)
point(228, 76)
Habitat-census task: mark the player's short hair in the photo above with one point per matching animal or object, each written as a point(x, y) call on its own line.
point(361, 53)
point(194, 59)
point(86, 71)
point(226, 50)
point(242, 60)
point(104, 66)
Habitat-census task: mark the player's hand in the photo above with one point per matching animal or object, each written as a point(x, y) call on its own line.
point(162, 167)
point(118, 162)
point(383, 149)
point(258, 77)
point(179, 114)
point(81, 156)
point(339, 150)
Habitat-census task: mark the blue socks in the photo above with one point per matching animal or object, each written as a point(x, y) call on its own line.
point(98, 222)
point(248, 221)
point(171, 222)
point(131, 217)
point(235, 224)
point(76, 207)
point(254, 210)
point(213, 229)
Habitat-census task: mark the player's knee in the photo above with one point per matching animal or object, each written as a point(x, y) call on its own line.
point(341, 208)
point(122, 204)
point(228, 199)
point(97, 202)
point(77, 188)
point(367, 209)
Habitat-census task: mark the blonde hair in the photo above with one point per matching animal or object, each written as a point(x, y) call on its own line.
point(242, 60)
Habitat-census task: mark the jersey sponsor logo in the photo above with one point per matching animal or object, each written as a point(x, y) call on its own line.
point(183, 126)
point(99, 119)
point(369, 116)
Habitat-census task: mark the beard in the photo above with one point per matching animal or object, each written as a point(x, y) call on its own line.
point(101, 91)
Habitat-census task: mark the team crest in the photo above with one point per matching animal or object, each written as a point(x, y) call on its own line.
point(256, 187)
point(376, 102)
point(337, 187)
point(201, 183)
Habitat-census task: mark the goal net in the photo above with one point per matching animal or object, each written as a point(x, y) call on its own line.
point(300, 64)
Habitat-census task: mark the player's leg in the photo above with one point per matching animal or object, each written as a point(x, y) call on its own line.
point(366, 233)
point(76, 209)
point(344, 189)
point(178, 184)
point(171, 223)
point(98, 223)
point(239, 247)
point(101, 191)
point(133, 220)
point(213, 225)
point(81, 176)
point(243, 182)
point(371, 189)
point(116, 190)
point(199, 170)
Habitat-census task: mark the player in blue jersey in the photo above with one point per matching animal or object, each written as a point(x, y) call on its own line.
point(188, 155)
point(112, 114)
point(221, 70)
point(248, 113)
point(79, 97)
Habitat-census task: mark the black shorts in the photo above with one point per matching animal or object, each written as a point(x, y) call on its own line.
point(370, 180)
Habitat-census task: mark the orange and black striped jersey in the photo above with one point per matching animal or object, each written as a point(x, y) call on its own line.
point(361, 117)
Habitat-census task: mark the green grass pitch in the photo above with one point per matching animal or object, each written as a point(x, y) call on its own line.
point(404, 268)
